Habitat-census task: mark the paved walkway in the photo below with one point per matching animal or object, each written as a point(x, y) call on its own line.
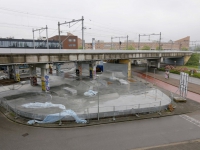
point(193, 85)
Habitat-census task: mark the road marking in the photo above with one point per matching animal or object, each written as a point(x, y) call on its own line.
point(168, 145)
point(190, 119)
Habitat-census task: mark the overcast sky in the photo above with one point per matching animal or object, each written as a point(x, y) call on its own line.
point(103, 19)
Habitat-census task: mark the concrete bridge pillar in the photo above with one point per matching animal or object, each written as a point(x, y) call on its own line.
point(148, 63)
point(50, 68)
point(128, 62)
point(33, 76)
point(186, 58)
point(10, 72)
point(92, 70)
point(58, 65)
point(79, 70)
point(16, 73)
point(158, 63)
point(43, 78)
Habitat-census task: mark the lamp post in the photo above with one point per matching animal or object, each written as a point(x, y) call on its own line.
point(155, 84)
point(98, 98)
point(147, 69)
point(154, 73)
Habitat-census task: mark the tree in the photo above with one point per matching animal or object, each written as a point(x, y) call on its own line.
point(146, 47)
point(184, 49)
point(80, 47)
point(194, 60)
point(197, 48)
point(131, 47)
point(157, 48)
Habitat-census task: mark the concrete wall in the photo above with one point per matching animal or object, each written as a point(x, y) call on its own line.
point(116, 68)
point(179, 61)
point(186, 58)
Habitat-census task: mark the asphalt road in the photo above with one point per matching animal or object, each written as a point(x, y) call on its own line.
point(119, 136)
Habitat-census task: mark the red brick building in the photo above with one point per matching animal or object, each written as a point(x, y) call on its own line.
point(181, 44)
point(68, 41)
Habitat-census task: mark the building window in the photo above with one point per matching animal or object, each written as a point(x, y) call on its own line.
point(70, 40)
point(74, 45)
point(74, 40)
point(70, 45)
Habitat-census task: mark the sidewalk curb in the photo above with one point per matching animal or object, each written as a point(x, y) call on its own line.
point(120, 120)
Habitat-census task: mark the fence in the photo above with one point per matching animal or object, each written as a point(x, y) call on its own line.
point(92, 112)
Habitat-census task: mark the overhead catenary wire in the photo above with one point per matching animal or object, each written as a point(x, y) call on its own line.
point(107, 29)
point(33, 14)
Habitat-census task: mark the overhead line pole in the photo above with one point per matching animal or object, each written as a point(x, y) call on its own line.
point(47, 37)
point(59, 34)
point(82, 19)
point(111, 43)
point(119, 40)
point(160, 42)
point(39, 32)
point(139, 42)
point(149, 39)
point(83, 42)
point(127, 43)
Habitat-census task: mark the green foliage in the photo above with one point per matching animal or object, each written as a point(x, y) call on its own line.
point(131, 47)
point(174, 71)
point(177, 71)
point(194, 60)
point(80, 47)
point(184, 49)
point(146, 47)
point(197, 48)
point(161, 69)
point(196, 75)
point(157, 48)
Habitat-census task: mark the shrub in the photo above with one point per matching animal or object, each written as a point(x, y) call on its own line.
point(194, 60)
point(174, 71)
point(197, 75)
point(161, 69)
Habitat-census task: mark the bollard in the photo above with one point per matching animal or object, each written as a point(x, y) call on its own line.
point(88, 117)
point(160, 109)
point(113, 113)
point(137, 115)
point(60, 122)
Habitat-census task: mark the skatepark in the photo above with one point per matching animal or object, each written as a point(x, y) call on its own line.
point(111, 94)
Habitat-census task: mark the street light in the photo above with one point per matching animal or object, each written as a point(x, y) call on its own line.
point(154, 73)
point(155, 84)
point(98, 97)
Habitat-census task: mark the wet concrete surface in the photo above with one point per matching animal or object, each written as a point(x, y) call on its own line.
point(112, 98)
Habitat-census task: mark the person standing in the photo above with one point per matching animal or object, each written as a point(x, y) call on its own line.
point(166, 76)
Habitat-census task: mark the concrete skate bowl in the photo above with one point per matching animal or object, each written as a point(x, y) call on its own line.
point(111, 104)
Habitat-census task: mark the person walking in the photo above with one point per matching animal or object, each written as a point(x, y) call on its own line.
point(166, 74)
